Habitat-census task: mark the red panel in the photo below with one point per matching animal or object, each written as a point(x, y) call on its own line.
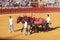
point(24, 10)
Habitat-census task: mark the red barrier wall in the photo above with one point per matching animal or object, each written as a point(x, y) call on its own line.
point(19, 10)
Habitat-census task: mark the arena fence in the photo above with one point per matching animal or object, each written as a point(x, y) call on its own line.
point(24, 10)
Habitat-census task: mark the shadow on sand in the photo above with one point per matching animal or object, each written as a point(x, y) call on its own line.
point(54, 28)
point(40, 29)
point(18, 30)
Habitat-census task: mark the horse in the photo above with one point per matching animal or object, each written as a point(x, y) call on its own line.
point(33, 22)
point(22, 19)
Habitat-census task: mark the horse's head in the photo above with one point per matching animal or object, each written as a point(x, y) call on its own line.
point(19, 19)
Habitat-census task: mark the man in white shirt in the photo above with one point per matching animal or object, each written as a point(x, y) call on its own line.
point(48, 19)
point(47, 22)
point(10, 28)
point(25, 27)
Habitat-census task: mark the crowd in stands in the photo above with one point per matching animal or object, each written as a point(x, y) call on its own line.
point(50, 3)
point(25, 3)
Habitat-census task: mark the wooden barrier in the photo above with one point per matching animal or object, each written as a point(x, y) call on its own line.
point(23, 10)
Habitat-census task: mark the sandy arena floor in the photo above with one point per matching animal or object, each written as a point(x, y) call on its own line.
point(50, 35)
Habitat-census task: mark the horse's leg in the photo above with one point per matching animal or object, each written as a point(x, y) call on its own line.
point(30, 29)
point(43, 27)
point(35, 28)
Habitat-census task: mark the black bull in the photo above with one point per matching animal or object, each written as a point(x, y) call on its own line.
point(31, 22)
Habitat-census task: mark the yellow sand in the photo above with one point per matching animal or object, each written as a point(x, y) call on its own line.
point(50, 35)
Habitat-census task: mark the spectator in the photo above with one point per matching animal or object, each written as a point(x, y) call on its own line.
point(23, 3)
point(0, 4)
point(7, 4)
point(29, 5)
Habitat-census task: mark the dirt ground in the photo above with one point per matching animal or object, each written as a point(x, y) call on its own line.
point(50, 35)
